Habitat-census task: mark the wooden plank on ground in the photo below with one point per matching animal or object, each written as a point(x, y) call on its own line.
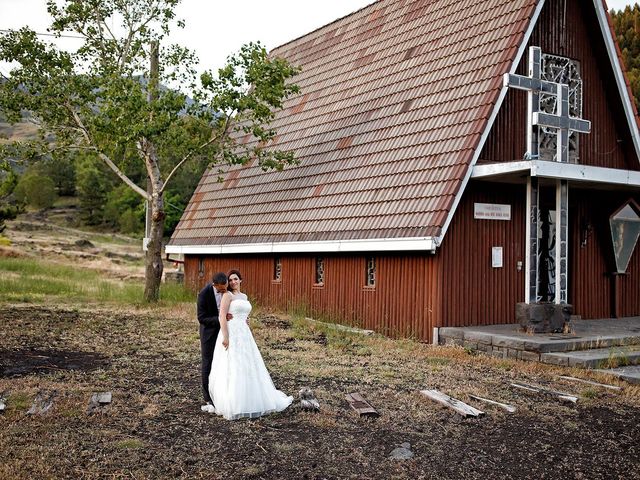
point(537, 389)
point(458, 406)
point(42, 404)
point(99, 402)
point(589, 382)
point(103, 398)
point(344, 328)
point(504, 406)
point(308, 400)
point(360, 405)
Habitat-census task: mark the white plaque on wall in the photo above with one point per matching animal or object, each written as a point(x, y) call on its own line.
point(496, 257)
point(491, 211)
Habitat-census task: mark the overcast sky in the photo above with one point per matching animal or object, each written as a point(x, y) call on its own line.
point(217, 28)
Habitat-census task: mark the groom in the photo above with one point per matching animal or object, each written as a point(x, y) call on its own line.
point(208, 309)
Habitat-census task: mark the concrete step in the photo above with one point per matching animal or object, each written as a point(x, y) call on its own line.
point(630, 374)
point(604, 358)
point(509, 336)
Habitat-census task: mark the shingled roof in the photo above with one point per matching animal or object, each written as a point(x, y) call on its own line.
point(394, 100)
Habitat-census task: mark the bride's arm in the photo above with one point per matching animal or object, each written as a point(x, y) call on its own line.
point(224, 309)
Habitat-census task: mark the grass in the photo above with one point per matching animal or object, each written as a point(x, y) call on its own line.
point(589, 393)
point(154, 429)
point(617, 358)
point(18, 401)
point(35, 280)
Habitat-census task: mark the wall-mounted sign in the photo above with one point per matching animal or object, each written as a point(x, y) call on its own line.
point(491, 211)
point(496, 257)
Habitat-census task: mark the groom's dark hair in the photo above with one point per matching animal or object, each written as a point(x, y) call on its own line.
point(220, 278)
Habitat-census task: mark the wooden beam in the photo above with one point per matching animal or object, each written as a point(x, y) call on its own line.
point(589, 382)
point(360, 405)
point(504, 406)
point(458, 406)
point(537, 389)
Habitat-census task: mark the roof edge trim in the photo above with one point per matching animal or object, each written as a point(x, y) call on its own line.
point(565, 171)
point(365, 245)
point(603, 21)
point(490, 122)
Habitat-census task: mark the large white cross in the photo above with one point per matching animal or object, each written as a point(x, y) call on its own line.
point(561, 121)
point(564, 124)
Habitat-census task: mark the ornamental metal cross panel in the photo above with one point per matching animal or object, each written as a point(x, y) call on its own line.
point(566, 71)
point(563, 123)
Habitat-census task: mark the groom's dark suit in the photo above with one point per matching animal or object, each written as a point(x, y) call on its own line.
point(209, 328)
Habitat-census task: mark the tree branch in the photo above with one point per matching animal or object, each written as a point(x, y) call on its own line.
point(192, 152)
point(99, 23)
point(104, 157)
point(133, 29)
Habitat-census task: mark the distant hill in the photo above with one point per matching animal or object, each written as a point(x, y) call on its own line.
point(19, 132)
point(25, 130)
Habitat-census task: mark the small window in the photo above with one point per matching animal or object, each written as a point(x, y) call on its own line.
point(201, 267)
point(277, 269)
point(319, 271)
point(370, 279)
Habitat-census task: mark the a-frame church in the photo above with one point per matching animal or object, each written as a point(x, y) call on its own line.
point(457, 160)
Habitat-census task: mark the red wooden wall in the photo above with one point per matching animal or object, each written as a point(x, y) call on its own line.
point(403, 303)
point(475, 293)
point(591, 257)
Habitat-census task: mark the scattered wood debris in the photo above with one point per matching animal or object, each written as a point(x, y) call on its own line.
point(42, 404)
point(504, 406)
point(360, 405)
point(343, 328)
point(460, 407)
point(99, 403)
point(589, 382)
point(307, 400)
point(537, 389)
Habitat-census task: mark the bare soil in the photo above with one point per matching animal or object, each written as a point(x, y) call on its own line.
point(154, 428)
point(149, 360)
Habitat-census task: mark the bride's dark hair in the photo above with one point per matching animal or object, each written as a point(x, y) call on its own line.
point(236, 272)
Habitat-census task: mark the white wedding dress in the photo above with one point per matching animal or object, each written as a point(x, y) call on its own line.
point(239, 383)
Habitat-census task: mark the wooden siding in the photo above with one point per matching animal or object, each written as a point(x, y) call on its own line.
point(578, 37)
point(473, 292)
point(592, 261)
point(403, 302)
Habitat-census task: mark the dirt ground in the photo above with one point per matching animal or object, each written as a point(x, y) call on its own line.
point(149, 360)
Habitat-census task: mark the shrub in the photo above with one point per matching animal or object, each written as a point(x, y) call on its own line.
point(36, 190)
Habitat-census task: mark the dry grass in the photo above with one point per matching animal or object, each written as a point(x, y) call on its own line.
point(148, 357)
point(152, 370)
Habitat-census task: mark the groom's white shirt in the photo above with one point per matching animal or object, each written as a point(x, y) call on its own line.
point(218, 296)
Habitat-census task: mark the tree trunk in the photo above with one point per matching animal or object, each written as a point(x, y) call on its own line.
point(153, 259)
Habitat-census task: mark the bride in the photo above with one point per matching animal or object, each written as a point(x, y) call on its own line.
point(239, 383)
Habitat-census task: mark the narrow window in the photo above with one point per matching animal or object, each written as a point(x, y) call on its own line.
point(277, 269)
point(370, 280)
point(319, 270)
point(201, 267)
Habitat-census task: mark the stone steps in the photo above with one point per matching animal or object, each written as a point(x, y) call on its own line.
point(603, 358)
point(630, 374)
